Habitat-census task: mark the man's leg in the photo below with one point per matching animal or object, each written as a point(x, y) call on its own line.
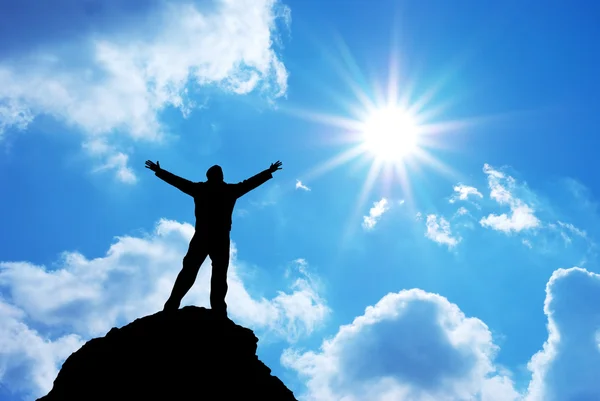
point(219, 255)
point(192, 261)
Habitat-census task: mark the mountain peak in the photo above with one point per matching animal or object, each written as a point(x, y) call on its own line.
point(190, 353)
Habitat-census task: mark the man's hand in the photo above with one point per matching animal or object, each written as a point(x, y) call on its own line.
point(275, 166)
point(153, 166)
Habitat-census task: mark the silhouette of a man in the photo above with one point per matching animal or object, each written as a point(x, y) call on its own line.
point(214, 201)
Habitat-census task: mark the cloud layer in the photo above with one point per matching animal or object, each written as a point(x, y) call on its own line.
point(300, 185)
point(375, 213)
point(28, 361)
point(530, 217)
point(568, 366)
point(521, 215)
point(119, 82)
point(411, 345)
point(418, 346)
point(48, 312)
point(463, 192)
point(438, 230)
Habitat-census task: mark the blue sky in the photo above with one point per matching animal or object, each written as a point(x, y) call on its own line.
point(463, 267)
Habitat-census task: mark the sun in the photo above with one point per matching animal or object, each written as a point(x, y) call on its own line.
point(390, 134)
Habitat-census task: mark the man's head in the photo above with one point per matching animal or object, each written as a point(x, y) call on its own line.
point(214, 174)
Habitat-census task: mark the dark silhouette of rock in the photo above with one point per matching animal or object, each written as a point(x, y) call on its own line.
point(188, 354)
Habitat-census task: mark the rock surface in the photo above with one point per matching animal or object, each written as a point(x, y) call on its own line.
point(189, 354)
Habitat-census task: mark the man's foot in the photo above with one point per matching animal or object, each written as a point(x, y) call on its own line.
point(170, 306)
point(220, 313)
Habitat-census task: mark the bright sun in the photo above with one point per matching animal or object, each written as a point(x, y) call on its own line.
point(390, 134)
point(390, 131)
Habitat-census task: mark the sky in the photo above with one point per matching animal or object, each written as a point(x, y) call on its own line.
point(432, 235)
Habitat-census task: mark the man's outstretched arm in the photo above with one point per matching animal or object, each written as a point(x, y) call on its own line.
point(251, 183)
point(182, 184)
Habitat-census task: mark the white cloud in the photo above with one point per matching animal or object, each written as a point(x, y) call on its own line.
point(440, 232)
point(566, 230)
point(411, 345)
point(568, 366)
point(417, 346)
point(566, 238)
point(375, 213)
point(300, 185)
point(120, 82)
point(28, 361)
point(522, 216)
point(463, 192)
point(302, 310)
point(13, 115)
point(462, 211)
point(462, 218)
point(113, 160)
point(573, 229)
point(86, 297)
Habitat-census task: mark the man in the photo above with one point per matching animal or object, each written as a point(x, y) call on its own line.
point(214, 200)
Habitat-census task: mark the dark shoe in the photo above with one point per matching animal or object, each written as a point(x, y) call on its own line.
point(220, 313)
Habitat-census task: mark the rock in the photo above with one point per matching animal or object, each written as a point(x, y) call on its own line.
point(189, 354)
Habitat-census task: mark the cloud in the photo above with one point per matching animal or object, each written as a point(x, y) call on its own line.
point(462, 218)
point(84, 298)
point(414, 345)
point(113, 160)
point(463, 192)
point(461, 211)
point(302, 310)
point(411, 345)
point(569, 232)
point(375, 213)
point(299, 185)
point(28, 361)
point(565, 229)
point(568, 366)
point(522, 216)
point(439, 231)
point(12, 115)
point(573, 229)
point(113, 86)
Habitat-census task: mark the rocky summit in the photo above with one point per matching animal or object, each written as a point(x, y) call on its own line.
point(188, 354)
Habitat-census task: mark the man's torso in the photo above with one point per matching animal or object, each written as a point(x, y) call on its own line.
point(214, 204)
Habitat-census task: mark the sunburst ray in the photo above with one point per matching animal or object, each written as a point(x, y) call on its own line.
point(393, 130)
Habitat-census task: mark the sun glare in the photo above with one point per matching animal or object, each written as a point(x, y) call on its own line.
point(390, 130)
point(390, 134)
